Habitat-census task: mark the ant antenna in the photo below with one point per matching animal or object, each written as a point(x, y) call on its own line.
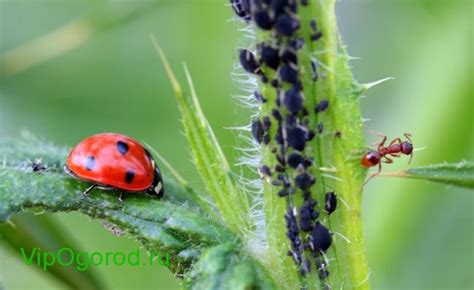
point(407, 135)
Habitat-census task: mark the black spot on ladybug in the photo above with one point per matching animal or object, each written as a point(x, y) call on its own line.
point(122, 147)
point(330, 203)
point(322, 106)
point(90, 163)
point(129, 176)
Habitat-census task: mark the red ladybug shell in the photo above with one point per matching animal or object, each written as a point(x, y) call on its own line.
point(112, 160)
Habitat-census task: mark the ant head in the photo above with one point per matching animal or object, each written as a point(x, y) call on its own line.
point(407, 148)
point(370, 159)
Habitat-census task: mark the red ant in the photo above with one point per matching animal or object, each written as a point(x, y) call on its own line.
point(394, 149)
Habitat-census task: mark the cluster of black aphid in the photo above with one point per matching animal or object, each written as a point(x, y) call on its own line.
point(276, 61)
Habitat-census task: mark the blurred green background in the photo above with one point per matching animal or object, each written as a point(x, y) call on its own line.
point(419, 235)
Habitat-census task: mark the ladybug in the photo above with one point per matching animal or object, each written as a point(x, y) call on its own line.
point(115, 161)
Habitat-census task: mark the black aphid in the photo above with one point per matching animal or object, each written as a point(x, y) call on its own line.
point(314, 70)
point(289, 56)
point(296, 138)
point(308, 215)
point(248, 61)
point(311, 135)
point(289, 74)
point(320, 127)
point(286, 25)
point(305, 267)
point(266, 123)
point(305, 180)
point(308, 162)
point(269, 56)
point(315, 36)
point(275, 83)
point(266, 138)
point(283, 192)
point(241, 8)
point(293, 100)
point(257, 130)
point(277, 115)
point(295, 159)
point(313, 24)
point(330, 202)
point(320, 239)
point(279, 168)
point(296, 44)
point(265, 170)
point(263, 19)
point(259, 97)
point(322, 106)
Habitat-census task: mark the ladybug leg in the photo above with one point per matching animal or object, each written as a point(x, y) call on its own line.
point(89, 189)
point(122, 196)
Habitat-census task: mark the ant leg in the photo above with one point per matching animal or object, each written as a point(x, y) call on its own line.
point(387, 160)
point(86, 192)
point(395, 141)
point(121, 197)
point(408, 136)
point(374, 174)
point(384, 138)
point(398, 154)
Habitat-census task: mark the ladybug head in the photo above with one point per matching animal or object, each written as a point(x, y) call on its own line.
point(157, 189)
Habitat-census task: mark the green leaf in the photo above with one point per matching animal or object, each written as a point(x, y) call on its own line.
point(27, 232)
point(229, 198)
point(460, 174)
point(222, 268)
point(163, 225)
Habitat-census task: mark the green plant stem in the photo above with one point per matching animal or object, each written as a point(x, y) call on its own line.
point(350, 268)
